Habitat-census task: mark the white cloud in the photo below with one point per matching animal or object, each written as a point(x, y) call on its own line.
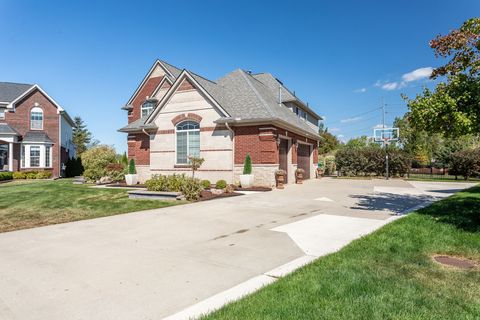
point(418, 74)
point(390, 86)
point(340, 136)
point(361, 90)
point(333, 129)
point(348, 120)
point(378, 126)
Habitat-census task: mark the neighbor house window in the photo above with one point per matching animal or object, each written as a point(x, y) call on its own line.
point(36, 119)
point(2, 114)
point(188, 141)
point(47, 156)
point(23, 157)
point(34, 156)
point(147, 108)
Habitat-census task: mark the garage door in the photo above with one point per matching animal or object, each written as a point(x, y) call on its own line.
point(303, 157)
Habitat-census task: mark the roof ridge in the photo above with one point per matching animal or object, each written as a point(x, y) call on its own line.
point(196, 74)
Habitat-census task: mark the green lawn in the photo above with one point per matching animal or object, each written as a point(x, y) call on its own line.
point(27, 204)
point(386, 275)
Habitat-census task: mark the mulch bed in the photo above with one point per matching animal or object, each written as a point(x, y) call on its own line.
point(124, 185)
point(261, 189)
point(207, 195)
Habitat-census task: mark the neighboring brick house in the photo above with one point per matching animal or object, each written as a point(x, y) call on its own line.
point(35, 132)
point(175, 113)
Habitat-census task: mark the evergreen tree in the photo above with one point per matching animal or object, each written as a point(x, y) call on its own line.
point(82, 137)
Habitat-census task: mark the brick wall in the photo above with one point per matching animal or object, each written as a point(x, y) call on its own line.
point(147, 90)
point(20, 121)
point(139, 148)
point(261, 143)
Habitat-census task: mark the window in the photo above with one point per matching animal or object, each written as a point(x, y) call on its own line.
point(2, 113)
point(36, 119)
point(23, 157)
point(34, 156)
point(47, 156)
point(147, 107)
point(188, 141)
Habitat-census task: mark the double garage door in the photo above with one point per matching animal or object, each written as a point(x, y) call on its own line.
point(303, 158)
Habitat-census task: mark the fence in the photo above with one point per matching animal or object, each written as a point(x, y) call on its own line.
point(436, 174)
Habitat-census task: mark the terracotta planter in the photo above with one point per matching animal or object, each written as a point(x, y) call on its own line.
point(280, 180)
point(299, 177)
point(319, 173)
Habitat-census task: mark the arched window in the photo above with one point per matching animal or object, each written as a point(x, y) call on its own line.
point(188, 141)
point(148, 106)
point(36, 119)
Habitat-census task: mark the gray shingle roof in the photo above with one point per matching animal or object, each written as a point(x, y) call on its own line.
point(245, 98)
point(138, 125)
point(173, 70)
point(9, 91)
point(37, 136)
point(6, 129)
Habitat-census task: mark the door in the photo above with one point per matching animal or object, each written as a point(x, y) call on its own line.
point(283, 156)
point(4, 157)
point(303, 158)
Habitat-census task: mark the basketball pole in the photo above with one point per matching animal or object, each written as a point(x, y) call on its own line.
point(383, 140)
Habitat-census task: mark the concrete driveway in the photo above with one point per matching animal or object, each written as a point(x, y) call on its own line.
point(156, 263)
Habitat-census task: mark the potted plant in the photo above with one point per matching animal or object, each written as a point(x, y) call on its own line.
point(280, 178)
point(132, 177)
point(319, 171)
point(299, 175)
point(247, 178)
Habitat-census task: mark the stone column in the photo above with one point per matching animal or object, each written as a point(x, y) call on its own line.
point(10, 156)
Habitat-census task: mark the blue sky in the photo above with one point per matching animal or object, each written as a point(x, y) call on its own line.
point(340, 56)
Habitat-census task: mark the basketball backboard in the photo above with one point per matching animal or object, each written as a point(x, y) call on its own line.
point(386, 134)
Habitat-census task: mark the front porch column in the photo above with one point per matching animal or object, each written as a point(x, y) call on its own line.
point(10, 156)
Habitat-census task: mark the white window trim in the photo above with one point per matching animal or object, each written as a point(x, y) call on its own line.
point(150, 108)
point(3, 111)
point(189, 130)
point(37, 110)
point(25, 163)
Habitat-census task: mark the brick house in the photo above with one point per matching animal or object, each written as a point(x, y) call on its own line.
point(35, 132)
point(175, 113)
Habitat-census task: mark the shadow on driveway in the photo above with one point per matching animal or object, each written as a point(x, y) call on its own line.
point(395, 203)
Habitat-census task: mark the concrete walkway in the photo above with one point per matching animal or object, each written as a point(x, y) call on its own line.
point(183, 260)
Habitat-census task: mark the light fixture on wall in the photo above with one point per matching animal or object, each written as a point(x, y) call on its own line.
point(278, 142)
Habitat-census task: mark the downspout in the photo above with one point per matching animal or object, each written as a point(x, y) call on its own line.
point(233, 150)
point(59, 145)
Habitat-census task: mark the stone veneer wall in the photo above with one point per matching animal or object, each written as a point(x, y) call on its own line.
point(143, 173)
point(264, 174)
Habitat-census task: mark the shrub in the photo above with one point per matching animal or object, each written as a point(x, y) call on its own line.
point(74, 167)
point(195, 163)
point(206, 184)
point(43, 175)
point(115, 171)
point(188, 186)
point(31, 174)
point(96, 160)
point(221, 184)
point(131, 167)
point(19, 175)
point(330, 166)
point(465, 163)
point(6, 176)
point(247, 165)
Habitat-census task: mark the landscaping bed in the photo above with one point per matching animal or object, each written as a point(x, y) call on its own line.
point(259, 189)
point(393, 273)
point(208, 195)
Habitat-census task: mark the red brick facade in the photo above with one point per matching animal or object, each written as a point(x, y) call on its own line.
point(146, 90)
point(139, 148)
point(261, 143)
point(20, 121)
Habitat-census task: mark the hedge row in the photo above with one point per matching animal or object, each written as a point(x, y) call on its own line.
point(32, 175)
point(190, 187)
point(465, 163)
point(371, 161)
point(6, 176)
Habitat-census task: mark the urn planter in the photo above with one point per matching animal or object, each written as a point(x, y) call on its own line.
point(299, 176)
point(246, 180)
point(280, 178)
point(131, 179)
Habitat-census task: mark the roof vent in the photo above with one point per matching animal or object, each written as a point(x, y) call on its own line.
point(249, 71)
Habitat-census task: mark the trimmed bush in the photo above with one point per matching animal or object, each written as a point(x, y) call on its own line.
point(189, 187)
point(43, 175)
point(206, 184)
point(19, 175)
point(221, 184)
point(465, 163)
point(31, 174)
point(74, 167)
point(116, 171)
point(247, 165)
point(4, 176)
point(96, 160)
point(131, 167)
